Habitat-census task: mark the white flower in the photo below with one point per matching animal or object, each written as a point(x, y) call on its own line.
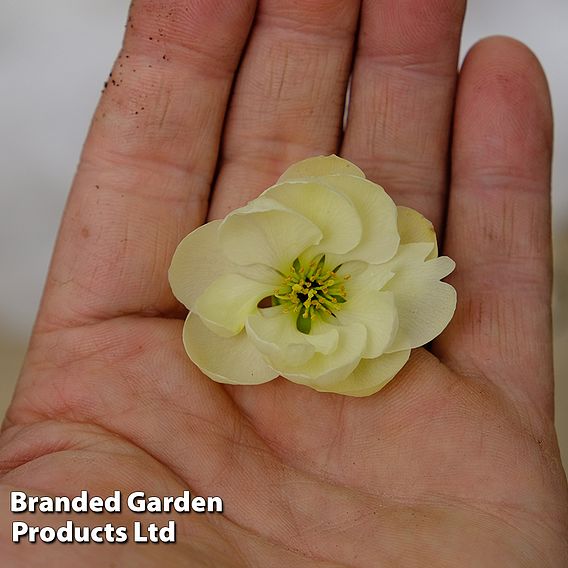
point(321, 280)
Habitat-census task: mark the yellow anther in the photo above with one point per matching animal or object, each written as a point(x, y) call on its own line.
point(309, 290)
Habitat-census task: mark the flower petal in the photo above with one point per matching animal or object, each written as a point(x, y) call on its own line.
point(360, 276)
point(425, 305)
point(227, 302)
point(408, 255)
point(231, 360)
point(378, 215)
point(323, 370)
point(371, 375)
point(320, 166)
point(275, 334)
point(415, 228)
point(377, 312)
point(197, 261)
point(331, 211)
point(266, 232)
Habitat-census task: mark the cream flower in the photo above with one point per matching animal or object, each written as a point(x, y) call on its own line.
point(321, 280)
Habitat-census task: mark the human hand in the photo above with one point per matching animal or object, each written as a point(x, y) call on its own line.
point(455, 463)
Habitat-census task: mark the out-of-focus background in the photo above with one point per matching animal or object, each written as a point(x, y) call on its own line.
point(54, 59)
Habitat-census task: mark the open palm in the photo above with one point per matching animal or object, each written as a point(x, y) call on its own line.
point(454, 463)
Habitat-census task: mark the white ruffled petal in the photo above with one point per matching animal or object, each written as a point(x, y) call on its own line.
point(425, 305)
point(329, 210)
point(197, 261)
point(359, 276)
point(323, 370)
point(415, 228)
point(228, 301)
point(377, 312)
point(320, 166)
point(266, 232)
point(231, 360)
point(371, 375)
point(275, 334)
point(378, 215)
point(408, 255)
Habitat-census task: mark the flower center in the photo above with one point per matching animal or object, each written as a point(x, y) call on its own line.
point(312, 290)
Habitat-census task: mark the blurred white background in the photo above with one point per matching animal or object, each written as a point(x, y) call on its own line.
point(54, 58)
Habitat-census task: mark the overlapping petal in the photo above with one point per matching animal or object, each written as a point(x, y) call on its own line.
point(332, 212)
point(371, 375)
point(275, 334)
point(359, 276)
point(424, 305)
point(324, 370)
point(228, 301)
point(376, 310)
point(197, 261)
point(413, 227)
point(319, 166)
point(378, 214)
point(232, 360)
point(266, 232)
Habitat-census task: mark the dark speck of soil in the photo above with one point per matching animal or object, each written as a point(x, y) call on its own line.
point(85, 232)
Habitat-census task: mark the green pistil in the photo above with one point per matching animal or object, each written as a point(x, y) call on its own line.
point(310, 292)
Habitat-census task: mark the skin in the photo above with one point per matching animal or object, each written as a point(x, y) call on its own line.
point(455, 462)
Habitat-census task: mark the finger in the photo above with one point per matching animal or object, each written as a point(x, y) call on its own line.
point(498, 228)
point(289, 97)
point(402, 98)
point(145, 173)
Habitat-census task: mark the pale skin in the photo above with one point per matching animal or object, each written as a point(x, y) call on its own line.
point(455, 462)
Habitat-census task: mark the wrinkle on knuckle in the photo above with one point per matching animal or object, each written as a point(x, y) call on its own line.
point(417, 29)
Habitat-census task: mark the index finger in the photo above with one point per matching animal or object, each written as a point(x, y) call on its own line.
point(145, 173)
